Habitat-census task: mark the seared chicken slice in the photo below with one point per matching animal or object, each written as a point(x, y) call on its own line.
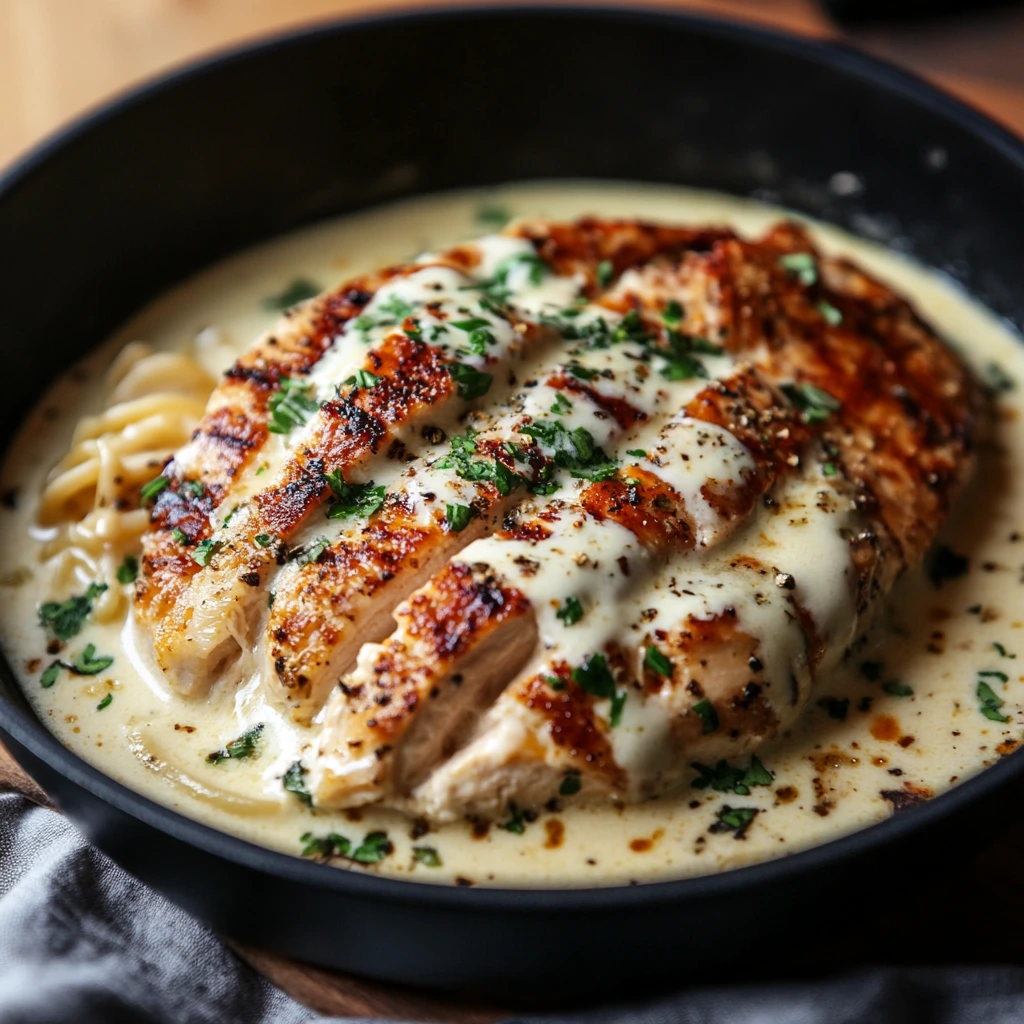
point(719, 479)
point(563, 510)
point(202, 606)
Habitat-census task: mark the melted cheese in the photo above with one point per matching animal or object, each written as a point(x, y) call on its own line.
point(863, 743)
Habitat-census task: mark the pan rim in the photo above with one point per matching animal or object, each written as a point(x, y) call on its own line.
point(27, 731)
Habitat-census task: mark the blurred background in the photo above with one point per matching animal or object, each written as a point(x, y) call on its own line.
point(58, 58)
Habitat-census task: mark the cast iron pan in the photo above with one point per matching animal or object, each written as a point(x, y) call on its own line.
point(258, 142)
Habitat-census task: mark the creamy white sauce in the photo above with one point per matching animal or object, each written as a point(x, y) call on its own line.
point(829, 773)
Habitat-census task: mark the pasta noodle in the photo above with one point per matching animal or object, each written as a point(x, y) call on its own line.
point(154, 401)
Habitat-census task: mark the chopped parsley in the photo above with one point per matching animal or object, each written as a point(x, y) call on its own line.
point(50, 673)
point(493, 215)
point(479, 336)
point(294, 781)
point(309, 554)
point(991, 674)
point(582, 372)
point(734, 819)
point(427, 856)
point(290, 406)
point(990, 702)
point(264, 540)
point(458, 516)
point(363, 379)
point(373, 849)
point(192, 487)
point(571, 612)
point(555, 682)
point(240, 748)
point(204, 550)
point(679, 361)
point(86, 663)
point(180, 536)
point(637, 453)
point(571, 784)
point(574, 450)
point(596, 678)
point(330, 845)
point(1003, 652)
point(128, 570)
point(835, 707)
point(396, 307)
point(801, 265)
point(832, 315)
point(815, 405)
point(605, 273)
point(998, 380)
point(672, 314)
point(64, 619)
point(106, 702)
point(496, 288)
point(707, 714)
point(460, 458)
point(516, 823)
point(298, 291)
point(561, 405)
point(153, 488)
point(896, 688)
point(657, 662)
point(829, 469)
point(353, 499)
point(470, 383)
point(725, 778)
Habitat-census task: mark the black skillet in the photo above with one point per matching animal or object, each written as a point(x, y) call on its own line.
point(248, 145)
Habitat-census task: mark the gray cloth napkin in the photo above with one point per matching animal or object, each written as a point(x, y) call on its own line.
point(81, 941)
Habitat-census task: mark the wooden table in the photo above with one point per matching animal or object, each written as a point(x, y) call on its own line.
point(60, 57)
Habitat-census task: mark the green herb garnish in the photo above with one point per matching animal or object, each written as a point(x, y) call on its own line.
point(294, 781)
point(85, 663)
point(814, 404)
point(574, 450)
point(571, 612)
point(706, 712)
point(204, 549)
point(656, 661)
point(180, 536)
point(128, 570)
point(264, 540)
point(734, 819)
point(493, 215)
point(427, 856)
point(240, 748)
point(309, 554)
point(353, 499)
point(106, 702)
point(637, 453)
point(330, 845)
point(800, 265)
point(64, 619)
point(582, 372)
point(458, 516)
point(561, 405)
point(832, 315)
point(153, 488)
point(896, 688)
point(605, 273)
point(298, 291)
point(290, 406)
point(363, 379)
point(596, 678)
point(724, 778)
point(990, 702)
point(571, 784)
point(516, 824)
point(672, 314)
point(50, 673)
point(1003, 652)
point(470, 383)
